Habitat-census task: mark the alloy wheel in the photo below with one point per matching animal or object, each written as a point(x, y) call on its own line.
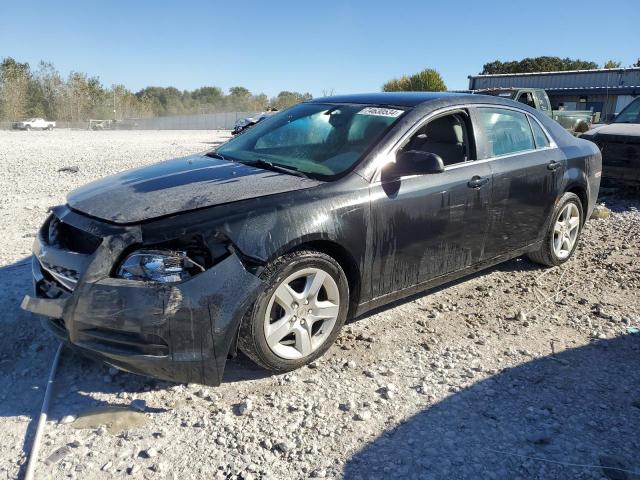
point(565, 231)
point(301, 313)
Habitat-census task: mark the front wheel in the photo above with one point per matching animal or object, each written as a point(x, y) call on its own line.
point(300, 313)
point(563, 232)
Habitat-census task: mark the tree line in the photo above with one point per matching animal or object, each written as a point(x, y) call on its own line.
point(430, 80)
point(546, 64)
point(44, 92)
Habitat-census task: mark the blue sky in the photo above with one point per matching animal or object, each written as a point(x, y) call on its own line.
point(347, 46)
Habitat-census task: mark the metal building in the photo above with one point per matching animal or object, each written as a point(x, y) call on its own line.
point(604, 90)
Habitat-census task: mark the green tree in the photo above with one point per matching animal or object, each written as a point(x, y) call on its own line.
point(612, 64)
point(286, 99)
point(427, 80)
point(208, 98)
point(536, 64)
point(163, 100)
point(240, 92)
point(637, 64)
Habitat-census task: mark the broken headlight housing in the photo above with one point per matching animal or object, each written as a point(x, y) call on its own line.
point(163, 266)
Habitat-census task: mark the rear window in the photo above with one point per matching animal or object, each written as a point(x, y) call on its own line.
point(543, 101)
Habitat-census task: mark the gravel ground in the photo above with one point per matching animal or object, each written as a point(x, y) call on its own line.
point(515, 373)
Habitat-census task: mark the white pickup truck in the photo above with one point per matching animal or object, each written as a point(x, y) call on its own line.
point(34, 124)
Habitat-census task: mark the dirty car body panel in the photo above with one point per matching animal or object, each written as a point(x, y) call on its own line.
point(392, 236)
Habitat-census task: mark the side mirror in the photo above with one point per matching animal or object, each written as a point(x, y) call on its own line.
point(415, 162)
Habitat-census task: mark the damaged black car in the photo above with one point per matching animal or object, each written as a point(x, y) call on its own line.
point(336, 206)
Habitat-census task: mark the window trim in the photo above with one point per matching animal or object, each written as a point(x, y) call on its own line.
point(389, 155)
point(535, 142)
point(552, 143)
point(468, 133)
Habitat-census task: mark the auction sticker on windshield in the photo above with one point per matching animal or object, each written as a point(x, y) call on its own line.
point(381, 112)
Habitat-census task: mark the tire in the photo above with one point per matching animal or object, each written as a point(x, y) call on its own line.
point(297, 337)
point(50, 127)
point(549, 253)
point(27, 128)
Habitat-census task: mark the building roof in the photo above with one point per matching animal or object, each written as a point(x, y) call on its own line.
point(560, 72)
point(403, 99)
point(618, 78)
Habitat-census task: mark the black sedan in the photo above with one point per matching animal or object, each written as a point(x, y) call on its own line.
point(331, 208)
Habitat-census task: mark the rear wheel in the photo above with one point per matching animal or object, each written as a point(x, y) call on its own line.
point(563, 232)
point(300, 313)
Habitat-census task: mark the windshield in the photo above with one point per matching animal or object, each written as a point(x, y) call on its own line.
point(630, 114)
point(320, 140)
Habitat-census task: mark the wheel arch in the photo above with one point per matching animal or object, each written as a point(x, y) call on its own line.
point(344, 258)
point(581, 192)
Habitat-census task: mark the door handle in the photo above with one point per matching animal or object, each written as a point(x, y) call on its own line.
point(477, 182)
point(553, 165)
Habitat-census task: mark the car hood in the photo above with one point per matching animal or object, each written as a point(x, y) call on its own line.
point(176, 186)
point(619, 130)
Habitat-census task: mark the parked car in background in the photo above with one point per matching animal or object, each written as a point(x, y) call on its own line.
point(96, 124)
point(34, 124)
point(619, 143)
point(576, 121)
point(336, 206)
point(249, 122)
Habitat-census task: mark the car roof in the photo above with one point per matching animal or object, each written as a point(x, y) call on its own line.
point(403, 99)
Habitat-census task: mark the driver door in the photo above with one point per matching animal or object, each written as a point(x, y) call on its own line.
point(426, 226)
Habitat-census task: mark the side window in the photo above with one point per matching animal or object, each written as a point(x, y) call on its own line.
point(527, 99)
point(506, 131)
point(538, 134)
point(543, 101)
point(445, 136)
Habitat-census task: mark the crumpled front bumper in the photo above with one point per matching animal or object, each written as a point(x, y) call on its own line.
point(179, 332)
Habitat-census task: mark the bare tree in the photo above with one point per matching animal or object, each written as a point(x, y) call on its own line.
point(14, 88)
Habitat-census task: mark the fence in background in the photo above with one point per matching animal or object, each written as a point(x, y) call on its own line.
point(205, 121)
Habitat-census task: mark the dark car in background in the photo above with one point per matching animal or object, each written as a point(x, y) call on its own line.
point(242, 124)
point(619, 143)
point(331, 208)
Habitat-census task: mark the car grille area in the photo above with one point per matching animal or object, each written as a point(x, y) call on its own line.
point(63, 251)
point(62, 235)
point(65, 277)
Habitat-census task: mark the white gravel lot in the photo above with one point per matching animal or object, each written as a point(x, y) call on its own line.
point(450, 385)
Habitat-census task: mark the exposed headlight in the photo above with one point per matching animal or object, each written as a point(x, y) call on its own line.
point(158, 266)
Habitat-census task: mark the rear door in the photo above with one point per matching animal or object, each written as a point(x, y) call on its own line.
point(527, 170)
